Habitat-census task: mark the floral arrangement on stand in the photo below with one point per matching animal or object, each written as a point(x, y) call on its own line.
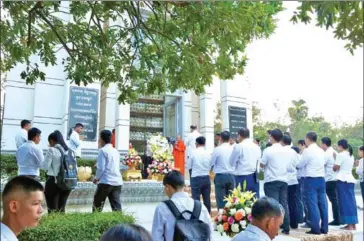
point(236, 215)
point(162, 157)
point(132, 160)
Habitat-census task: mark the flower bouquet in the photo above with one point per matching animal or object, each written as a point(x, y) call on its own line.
point(132, 160)
point(236, 215)
point(162, 157)
point(158, 169)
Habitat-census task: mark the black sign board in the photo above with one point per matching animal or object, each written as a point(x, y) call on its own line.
point(237, 119)
point(83, 108)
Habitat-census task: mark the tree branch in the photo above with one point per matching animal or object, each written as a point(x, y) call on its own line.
point(98, 24)
point(35, 7)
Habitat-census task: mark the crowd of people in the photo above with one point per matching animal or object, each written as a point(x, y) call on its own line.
point(296, 183)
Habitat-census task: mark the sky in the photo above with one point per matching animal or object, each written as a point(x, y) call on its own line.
point(305, 61)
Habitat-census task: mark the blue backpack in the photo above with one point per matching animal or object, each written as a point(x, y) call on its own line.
point(67, 176)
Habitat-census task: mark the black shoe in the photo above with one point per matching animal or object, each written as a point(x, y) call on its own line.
point(285, 232)
point(334, 223)
point(310, 232)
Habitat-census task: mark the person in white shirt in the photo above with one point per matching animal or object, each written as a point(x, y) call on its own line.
point(30, 156)
point(313, 161)
point(74, 142)
point(302, 205)
point(22, 199)
point(164, 221)
point(108, 176)
point(293, 187)
point(276, 166)
point(360, 170)
point(224, 178)
point(56, 197)
point(330, 178)
point(217, 140)
point(199, 166)
point(344, 164)
point(190, 142)
point(244, 160)
point(22, 136)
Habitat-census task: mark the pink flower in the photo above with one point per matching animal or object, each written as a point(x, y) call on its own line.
point(250, 217)
point(231, 220)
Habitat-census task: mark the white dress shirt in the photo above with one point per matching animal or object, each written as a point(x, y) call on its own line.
point(74, 143)
point(300, 171)
point(360, 169)
point(199, 162)
point(220, 159)
point(190, 142)
point(276, 163)
point(7, 234)
point(294, 159)
point(346, 163)
point(164, 220)
point(52, 160)
point(245, 158)
point(252, 233)
point(21, 138)
point(313, 161)
point(330, 155)
point(108, 166)
point(29, 158)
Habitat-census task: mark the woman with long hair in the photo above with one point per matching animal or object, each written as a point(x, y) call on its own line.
point(344, 164)
point(56, 198)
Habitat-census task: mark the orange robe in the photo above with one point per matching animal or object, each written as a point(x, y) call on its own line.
point(179, 156)
point(113, 140)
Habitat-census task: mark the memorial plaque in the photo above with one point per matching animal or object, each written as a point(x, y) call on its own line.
point(237, 119)
point(83, 108)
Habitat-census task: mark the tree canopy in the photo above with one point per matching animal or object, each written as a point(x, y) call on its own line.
point(149, 46)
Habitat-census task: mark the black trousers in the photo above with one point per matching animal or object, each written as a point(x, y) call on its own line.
point(104, 191)
point(278, 190)
point(201, 185)
point(362, 190)
point(293, 202)
point(56, 198)
point(331, 192)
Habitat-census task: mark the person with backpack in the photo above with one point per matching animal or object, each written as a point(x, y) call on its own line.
point(56, 194)
point(180, 217)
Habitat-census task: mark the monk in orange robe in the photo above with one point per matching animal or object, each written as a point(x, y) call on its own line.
point(179, 155)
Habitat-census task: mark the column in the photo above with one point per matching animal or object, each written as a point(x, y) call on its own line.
point(207, 117)
point(235, 93)
point(108, 105)
point(122, 125)
point(186, 113)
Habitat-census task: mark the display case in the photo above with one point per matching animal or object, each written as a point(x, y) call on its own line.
point(146, 119)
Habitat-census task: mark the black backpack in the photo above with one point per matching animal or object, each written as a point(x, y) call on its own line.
point(67, 176)
point(189, 230)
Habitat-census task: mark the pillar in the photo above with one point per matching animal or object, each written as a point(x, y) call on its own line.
point(207, 117)
point(186, 113)
point(108, 104)
point(122, 125)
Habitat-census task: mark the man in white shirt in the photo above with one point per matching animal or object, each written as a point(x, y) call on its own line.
point(190, 142)
point(22, 206)
point(224, 177)
point(108, 176)
point(74, 142)
point(267, 217)
point(293, 187)
point(22, 136)
point(164, 221)
point(276, 166)
point(330, 178)
point(244, 160)
point(313, 161)
point(199, 166)
point(30, 156)
point(302, 206)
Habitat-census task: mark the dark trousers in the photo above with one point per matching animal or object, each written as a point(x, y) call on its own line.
point(347, 203)
point(202, 186)
point(304, 200)
point(251, 183)
point(104, 191)
point(278, 190)
point(362, 190)
point(315, 188)
point(224, 183)
point(293, 191)
point(331, 191)
point(300, 202)
point(56, 198)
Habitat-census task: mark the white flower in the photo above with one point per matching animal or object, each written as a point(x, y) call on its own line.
point(228, 205)
point(235, 228)
point(219, 218)
point(165, 171)
point(243, 224)
point(232, 211)
point(220, 228)
point(248, 210)
point(221, 211)
point(242, 211)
